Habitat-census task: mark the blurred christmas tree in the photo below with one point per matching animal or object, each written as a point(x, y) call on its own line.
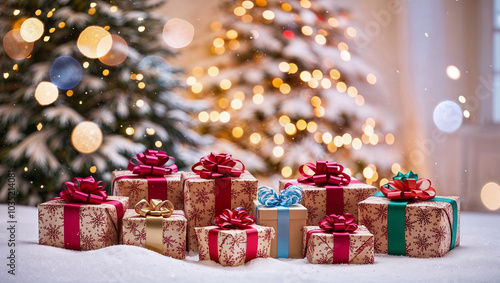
point(287, 88)
point(85, 86)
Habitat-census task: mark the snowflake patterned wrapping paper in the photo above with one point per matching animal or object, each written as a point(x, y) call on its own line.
point(134, 232)
point(297, 216)
point(427, 225)
point(200, 200)
point(321, 248)
point(314, 198)
point(98, 224)
point(137, 188)
point(232, 244)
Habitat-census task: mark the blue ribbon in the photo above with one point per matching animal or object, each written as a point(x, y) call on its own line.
point(290, 196)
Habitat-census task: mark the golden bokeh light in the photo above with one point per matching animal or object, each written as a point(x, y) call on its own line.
point(247, 4)
point(223, 103)
point(203, 116)
point(306, 30)
point(284, 67)
point(290, 129)
point(239, 11)
point(225, 84)
point(86, 137)
point(285, 88)
point(118, 52)
point(236, 104)
point(46, 93)
point(453, 72)
point(331, 147)
point(356, 143)
point(94, 42)
point(15, 46)
point(278, 151)
point(268, 15)
point(178, 33)
point(312, 127)
point(158, 144)
point(490, 196)
point(368, 172)
point(338, 141)
point(237, 132)
point(346, 138)
point(395, 168)
point(286, 172)
point(258, 89)
point(213, 71)
point(32, 29)
point(39, 126)
point(150, 131)
point(278, 139)
point(327, 138)
point(283, 120)
point(301, 124)
point(345, 55)
point(371, 79)
point(139, 103)
point(224, 117)
point(255, 138)
point(214, 116)
point(129, 131)
point(258, 99)
point(93, 169)
point(389, 139)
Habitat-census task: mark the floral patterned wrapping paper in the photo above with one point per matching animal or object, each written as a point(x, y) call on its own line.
point(137, 189)
point(174, 232)
point(199, 200)
point(232, 244)
point(98, 224)
point(320, 248)
point(427, 226)
point(314, 199)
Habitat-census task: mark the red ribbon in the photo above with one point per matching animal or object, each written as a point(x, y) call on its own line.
point(236, 219)
point(151, 163)
point(409, 189)
point(84, 190)
point(340, 227)
point(215, 166)
point(219, 167)
point(329, 175)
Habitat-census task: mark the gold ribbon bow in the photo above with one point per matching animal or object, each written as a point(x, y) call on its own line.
point(154, 211)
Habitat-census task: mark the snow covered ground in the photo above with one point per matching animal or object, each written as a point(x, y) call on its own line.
point(476, 260)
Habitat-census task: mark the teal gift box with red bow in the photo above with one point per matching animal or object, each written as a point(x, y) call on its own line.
point(408, 218)
point(83, 218)
point(217, 182)
point(150, 175)
point(326, 189)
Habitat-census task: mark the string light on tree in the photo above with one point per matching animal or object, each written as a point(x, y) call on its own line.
point(86, 137)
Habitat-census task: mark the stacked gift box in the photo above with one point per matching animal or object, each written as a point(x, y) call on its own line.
point(218, 210)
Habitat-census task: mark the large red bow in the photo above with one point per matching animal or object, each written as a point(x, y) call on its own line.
point(409, 189)
point(151, 163)
point(236, 219)
point(85, 190)
point(335, 223)
point(324, 173)
point(217, 166)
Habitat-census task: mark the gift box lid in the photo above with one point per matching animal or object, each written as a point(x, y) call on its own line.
point(193, 177)
point(296, 211)
point(354, 184)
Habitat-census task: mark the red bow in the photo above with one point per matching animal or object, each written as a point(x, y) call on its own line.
point(217, 166)
point(324, 173)
point(151, 163)
point(335, 223)
point(409, 189)
point(236, 219)
point(85, 190)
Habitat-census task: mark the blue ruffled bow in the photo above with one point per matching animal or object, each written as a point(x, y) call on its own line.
point(290, 196)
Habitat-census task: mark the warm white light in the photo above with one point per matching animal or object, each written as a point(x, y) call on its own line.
point(490, 196)
point(453, 72)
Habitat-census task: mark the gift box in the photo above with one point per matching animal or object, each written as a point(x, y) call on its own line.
point(149, 178)
point(287, 218)
point(207, 192)
point(233, 245)
point(327, 245)
point(412, 221)
point(328, 191)
point(155, 228)
point(84, 218)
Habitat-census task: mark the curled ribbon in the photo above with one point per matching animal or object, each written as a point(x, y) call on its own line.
point(236, 219)
point(151, 163)
point(216, 165)
point(324, 173)
point(290, 196)
point(408, 187)
point(155, 207)
point(85, 190)
point(338, 223)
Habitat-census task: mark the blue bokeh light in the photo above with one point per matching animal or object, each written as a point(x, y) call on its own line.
point(66, 72)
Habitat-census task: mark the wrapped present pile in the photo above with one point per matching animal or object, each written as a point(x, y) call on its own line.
point(218, 211)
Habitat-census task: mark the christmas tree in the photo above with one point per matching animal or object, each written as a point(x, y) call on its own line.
point(287, 87)
point(85, 86)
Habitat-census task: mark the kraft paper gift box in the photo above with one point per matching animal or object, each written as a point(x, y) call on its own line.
point(70, 223)
point(149, 178)
point(234, 246)
point(205, 198)
point(287, 220)
point(161, 232)
point(415, 228)
point(335, 192)
point(330, 247)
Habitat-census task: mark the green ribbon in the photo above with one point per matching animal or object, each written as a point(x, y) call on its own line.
point(396, 212)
